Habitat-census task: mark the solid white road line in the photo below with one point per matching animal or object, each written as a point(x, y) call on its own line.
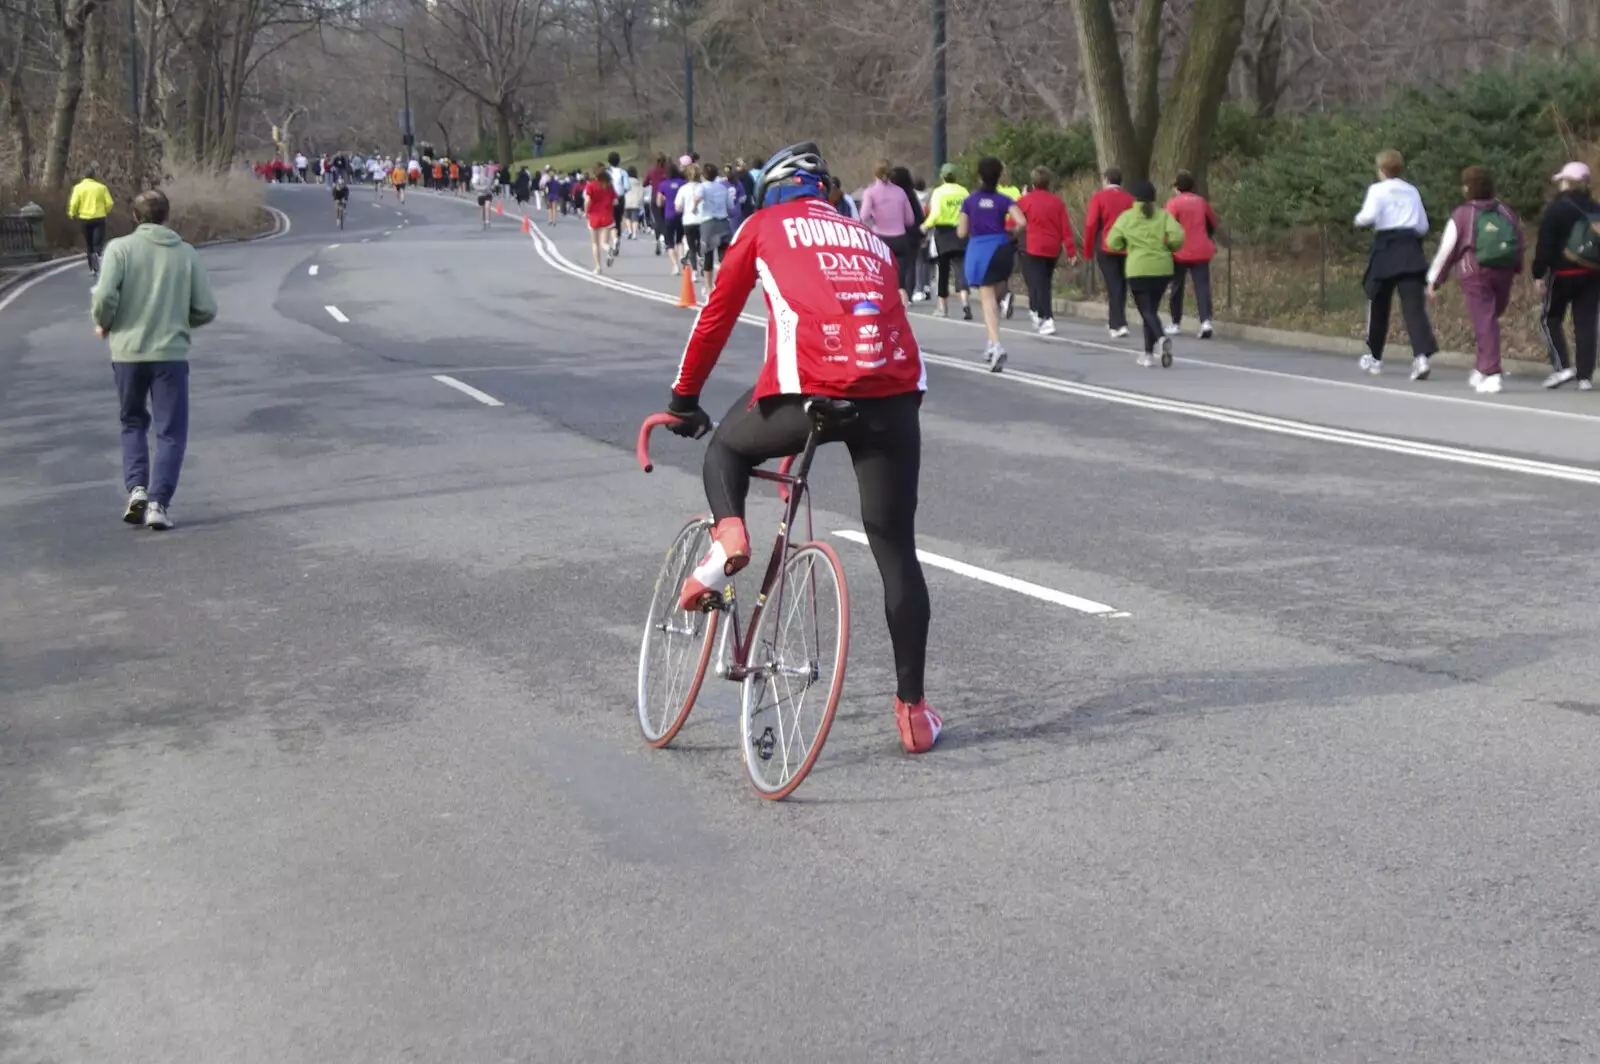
point(466, 389)
point(313, 271)
point(332, 246)
point(284, 225)
point(337, 315)
point(12, 296)
point(546, 249)
point(1010, 583)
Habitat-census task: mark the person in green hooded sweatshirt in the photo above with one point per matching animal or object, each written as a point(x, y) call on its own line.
point(152, 292)
point(1149, 236)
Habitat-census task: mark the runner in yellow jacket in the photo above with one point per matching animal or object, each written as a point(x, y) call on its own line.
point(90, 203)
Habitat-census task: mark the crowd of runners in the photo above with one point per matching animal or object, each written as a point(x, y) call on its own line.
point(952, 242)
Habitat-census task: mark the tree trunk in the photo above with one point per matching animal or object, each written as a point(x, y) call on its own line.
point(17, 114)
point(1147, 70)
point(94, 54)
point(502, 129)
point(69, 91)
point(1116, 142)
point(1267, 64)
point(1195, 94)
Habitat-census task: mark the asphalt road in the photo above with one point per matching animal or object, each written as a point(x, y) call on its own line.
point(345, 768)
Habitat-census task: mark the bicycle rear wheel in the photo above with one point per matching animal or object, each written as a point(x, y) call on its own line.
point(677, 644)
point(796, 671)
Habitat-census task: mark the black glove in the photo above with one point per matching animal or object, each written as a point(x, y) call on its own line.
point(692, 422)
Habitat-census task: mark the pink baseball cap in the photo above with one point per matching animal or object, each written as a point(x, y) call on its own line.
point(1572, 172)
point(688, 160)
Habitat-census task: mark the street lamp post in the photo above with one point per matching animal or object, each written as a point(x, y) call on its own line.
point(688, 92)
point(940, 147)
point(405, 84)
point(133, 65)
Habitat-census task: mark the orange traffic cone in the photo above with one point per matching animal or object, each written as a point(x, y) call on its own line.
point(686, 292)
point(527, 226)
point(499, 208)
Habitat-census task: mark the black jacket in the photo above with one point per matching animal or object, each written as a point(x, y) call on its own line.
point(1555, 226)
point(1396, 253)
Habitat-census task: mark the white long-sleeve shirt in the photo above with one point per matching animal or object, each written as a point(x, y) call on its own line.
point(1393, 204)
point(1447, 246)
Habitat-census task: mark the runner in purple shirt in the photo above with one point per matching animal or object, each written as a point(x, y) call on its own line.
point(990, 253)
point(666, 195)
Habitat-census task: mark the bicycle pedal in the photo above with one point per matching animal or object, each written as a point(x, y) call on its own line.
point(766, 744)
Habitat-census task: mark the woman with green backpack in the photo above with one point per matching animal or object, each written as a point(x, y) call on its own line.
point(1483, 245)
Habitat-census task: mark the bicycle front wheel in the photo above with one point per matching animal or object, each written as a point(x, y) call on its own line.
point(796, 671)
point(677, 644)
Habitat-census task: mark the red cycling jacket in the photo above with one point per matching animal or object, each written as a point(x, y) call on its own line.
point(835, 324)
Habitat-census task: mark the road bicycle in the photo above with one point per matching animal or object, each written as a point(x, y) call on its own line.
point(794, 650)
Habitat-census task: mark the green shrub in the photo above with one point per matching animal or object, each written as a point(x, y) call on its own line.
point(1021, 147)
point(1311, 170)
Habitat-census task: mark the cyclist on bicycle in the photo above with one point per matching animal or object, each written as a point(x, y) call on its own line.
point(341, 194)
point(836, 329)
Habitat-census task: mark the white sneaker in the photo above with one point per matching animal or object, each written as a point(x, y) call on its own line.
point(1371, 365)
point(1145, 361)
point(919, 297)
point(1118, 334)
point(1033, 315)
point(997, 360)
point(1047, 327)
point(1474, 379)
point(1586, 386)
point(1490, 385)
point(1420, 368)
point(1205, 330)
point(1560, 377)
point(138, 500)
point(155, 518)
point(1005, 306)
point(1172, 330)
point(1166, 352)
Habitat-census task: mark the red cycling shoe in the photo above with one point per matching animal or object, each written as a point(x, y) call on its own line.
point(730, 552)
point(919, 726)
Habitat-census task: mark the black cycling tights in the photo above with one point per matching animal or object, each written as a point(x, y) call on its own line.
point(885, 444)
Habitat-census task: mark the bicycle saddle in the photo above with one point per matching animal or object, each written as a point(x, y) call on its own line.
point(830, 413)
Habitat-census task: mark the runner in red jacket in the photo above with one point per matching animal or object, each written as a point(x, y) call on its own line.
point(835, 328)
point(1105, 207)
point(1199, 223)
point(1049, 232)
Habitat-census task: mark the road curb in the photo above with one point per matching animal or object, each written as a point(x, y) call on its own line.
point(1302, 341)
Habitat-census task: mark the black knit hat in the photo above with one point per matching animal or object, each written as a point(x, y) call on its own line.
point(1143, 192)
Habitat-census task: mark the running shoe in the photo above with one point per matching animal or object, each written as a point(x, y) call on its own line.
point(1047, 327)
point(1586, 386)
point(1173, 330)
point(966, 312)
point(1119, 334)
point(1420, 368)
point(730, 552)
point(1560, 377)
point(997, 361)
point(919, 726)
point(155, 517)
point(1371, 365)
point(1145, 361)
point(1205, 330)
point(1006, 306)
point(1474, 379)
point(138, 500)
point(1166, 352)
point(1490, 385)
point(1033, 315)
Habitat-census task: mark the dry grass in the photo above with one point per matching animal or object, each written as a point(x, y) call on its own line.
point(205, 206)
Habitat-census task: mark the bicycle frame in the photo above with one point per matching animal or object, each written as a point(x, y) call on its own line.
point(793, 488)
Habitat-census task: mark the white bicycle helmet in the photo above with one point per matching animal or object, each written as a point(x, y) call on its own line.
point(791, 167)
